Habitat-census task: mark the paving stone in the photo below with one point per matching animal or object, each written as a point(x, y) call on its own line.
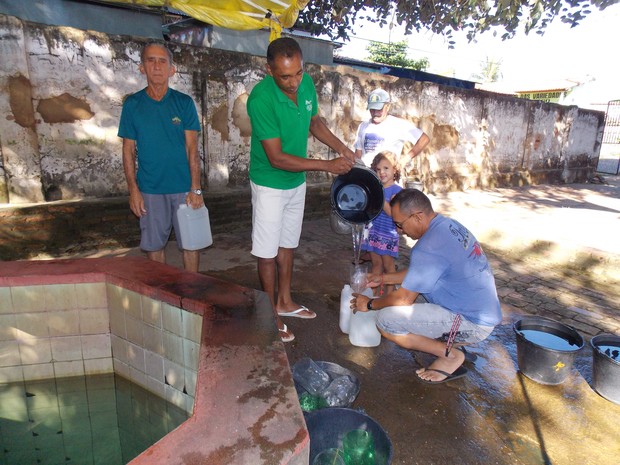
point(538, 288)
point(526, 278)
point(551, 293)
point(593, 293)
point(533, 299)
point(594, 320)
point(550, 314)
point(567, 299)
point(552, 283)
point(504, 291)
point(553, 306)
point(586, 313)
point(516, 300)
point(573, 286)
point(612, 327)
point(519, 269)
point(588, 329)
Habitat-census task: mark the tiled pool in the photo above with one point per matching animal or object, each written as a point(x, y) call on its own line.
point(207, 346)
point(81, 420)
point(91, 328)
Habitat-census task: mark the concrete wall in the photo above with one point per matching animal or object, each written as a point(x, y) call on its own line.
point(72, 226)
point(109, 18)
point(61, 91)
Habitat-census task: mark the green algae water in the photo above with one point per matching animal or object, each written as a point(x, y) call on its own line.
point(83, 420)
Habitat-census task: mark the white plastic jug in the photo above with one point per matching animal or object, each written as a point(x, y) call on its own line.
point(363, 330)
point(194, 227)
point(358, 335)
point(345, 311)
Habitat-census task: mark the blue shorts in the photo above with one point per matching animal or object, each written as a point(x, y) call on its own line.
point(160, 218)
point(430, 320)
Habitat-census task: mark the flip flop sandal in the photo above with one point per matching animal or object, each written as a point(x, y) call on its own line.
point(458, 373)
point(285, 336)
point(469, 356)
point(297, 313)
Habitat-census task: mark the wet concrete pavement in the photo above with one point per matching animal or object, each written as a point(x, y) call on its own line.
point(554, 252)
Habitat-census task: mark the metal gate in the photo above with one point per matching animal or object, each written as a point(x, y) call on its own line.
point(609, 160)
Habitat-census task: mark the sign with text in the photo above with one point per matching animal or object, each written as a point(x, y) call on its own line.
point(552, 96)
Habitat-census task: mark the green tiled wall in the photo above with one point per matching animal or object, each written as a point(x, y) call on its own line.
point(63, 330)
point(93, 420)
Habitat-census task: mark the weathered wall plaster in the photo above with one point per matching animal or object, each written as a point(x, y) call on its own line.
point(64, 108)
point(20, 176)
point(62, 89)
point(20, 99)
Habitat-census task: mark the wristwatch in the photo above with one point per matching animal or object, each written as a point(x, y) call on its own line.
point(197, 191)
point(369, 305)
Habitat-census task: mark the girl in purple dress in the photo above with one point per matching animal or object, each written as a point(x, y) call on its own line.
point(381, 238)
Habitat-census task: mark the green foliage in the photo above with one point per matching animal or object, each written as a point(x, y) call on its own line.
point(394, 54)
point(336, 18)
point(490, 70)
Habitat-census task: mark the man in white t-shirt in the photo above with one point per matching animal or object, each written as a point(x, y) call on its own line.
point(387, 132)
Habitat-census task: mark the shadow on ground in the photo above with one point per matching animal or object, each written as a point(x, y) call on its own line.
point(555, 253)
point(493, 416)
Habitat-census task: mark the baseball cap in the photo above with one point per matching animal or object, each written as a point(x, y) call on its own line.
point(377, 99)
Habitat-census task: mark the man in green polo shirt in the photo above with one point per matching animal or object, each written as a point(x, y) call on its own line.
point(283, 108)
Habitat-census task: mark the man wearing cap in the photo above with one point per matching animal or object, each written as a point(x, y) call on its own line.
point(387, 132)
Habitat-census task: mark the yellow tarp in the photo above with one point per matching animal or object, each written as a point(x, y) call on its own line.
point(235, 14)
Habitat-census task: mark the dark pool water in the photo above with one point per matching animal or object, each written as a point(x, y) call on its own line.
point(92, 420)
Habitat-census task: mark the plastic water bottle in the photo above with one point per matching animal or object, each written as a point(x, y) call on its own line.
point(310, 376)
point(340, 392)
point(195, 229)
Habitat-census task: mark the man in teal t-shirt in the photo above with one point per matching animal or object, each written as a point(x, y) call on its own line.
point(159, 127)
point(283, 109)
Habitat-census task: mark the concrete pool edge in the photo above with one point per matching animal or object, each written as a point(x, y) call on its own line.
point(246, 408)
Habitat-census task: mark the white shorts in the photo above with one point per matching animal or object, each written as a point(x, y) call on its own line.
point(277, 217)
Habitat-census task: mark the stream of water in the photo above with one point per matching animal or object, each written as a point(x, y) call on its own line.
point(357, 233)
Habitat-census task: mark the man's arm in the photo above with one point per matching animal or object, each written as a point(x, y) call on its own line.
point(395, 277)
point(359, 141)
point(287, 162)
point(400, 296)
point(191, 147)
point(136, 202)
point(417, 149)
point(322, 133)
